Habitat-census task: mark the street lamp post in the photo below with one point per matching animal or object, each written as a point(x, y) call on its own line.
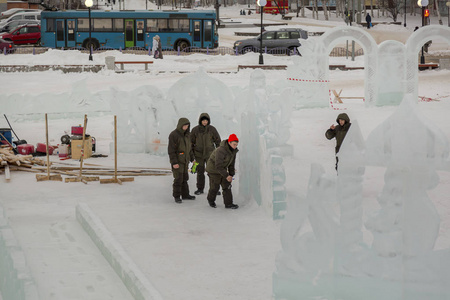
point(261, 4)
point(89, 4)
point(404, 14)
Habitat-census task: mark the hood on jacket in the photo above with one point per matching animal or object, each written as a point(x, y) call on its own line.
point(181, 123)
point(202, 117)
point(343, 116)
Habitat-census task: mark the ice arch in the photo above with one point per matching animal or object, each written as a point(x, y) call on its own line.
point(391, 73)
point(341, 34)
point(413, 45)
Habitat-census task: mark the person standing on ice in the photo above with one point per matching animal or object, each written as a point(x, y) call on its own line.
point(220, 168)
point(204, 139)
point(156, 47)
point(339, 132)
point(180, 155)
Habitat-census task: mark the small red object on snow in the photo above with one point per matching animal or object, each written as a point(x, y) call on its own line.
point(26, 149)
point(41, 147)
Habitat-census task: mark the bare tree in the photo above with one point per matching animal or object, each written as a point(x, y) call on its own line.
point(392, 8)
point(436, 5)
point(325, 10)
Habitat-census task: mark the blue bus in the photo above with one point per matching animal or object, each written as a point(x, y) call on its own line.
point(127, 29)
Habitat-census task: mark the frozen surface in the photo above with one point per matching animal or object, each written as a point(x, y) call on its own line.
point(190, 251)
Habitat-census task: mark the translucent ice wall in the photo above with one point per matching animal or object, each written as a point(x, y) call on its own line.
point(16, 281)
point(324, 255)
point(265, 123)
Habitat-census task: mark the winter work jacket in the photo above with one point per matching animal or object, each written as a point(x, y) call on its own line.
point(179, 148)
point(339, 131)
point(222, 160)
point(204, 139)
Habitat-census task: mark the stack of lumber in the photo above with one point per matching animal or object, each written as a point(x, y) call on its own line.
point(7, 156)
point(9, 161)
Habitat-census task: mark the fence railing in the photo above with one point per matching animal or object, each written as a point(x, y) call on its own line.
point(337, 51)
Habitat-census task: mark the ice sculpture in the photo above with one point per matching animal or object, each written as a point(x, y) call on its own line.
point(332, 261)
point(265, 124)
point(199, 92)
point(141, 117)
point(308, 78)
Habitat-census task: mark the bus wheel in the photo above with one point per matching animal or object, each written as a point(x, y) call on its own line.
point(93, 43)
point(183, 45)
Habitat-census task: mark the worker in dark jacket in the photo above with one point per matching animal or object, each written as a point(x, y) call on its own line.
point(180, 155)
point(220, 168)
point(204, 139)
point(339, 132)
point(368, 20)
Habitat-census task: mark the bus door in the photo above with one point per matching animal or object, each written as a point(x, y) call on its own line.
point(129, 33)
point(71, 33)
point(60, 33)
point(140, 38)
point(208, 34)
point(198, 34)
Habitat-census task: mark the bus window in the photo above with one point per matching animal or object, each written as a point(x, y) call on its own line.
point(83, 24)
point(50, 25)
point(184, 25)
point(179, 25)
point(197, 31)
point(118, 25)
point(152, 25)
point(102, 25)
point(208, 31)
point(162, 25)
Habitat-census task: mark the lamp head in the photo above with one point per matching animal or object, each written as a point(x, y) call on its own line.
point(88, 3)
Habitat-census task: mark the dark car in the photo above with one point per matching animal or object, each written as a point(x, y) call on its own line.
point(16, 23)
point(282, 38)
point(6, 45)
point(27, 34)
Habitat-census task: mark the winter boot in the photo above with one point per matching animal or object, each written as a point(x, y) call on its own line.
point(178, 199)
point(232, 206)
point(188, 197)
point(198, 192)
point(212, 204)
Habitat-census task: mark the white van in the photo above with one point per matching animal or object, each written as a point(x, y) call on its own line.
point(35, 15)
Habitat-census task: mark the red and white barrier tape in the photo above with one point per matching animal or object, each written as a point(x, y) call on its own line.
point(331, 103)
point(307, 80)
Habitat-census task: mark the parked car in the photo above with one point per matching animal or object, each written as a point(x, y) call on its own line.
point(16, 23)
point(7, 13)
point(8, 45)
point(34, 15)
point(282, 38)
point(26, 34)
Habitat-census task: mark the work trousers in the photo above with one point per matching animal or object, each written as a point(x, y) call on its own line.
point(180, 186)
point(201, 174)
point(215, 182)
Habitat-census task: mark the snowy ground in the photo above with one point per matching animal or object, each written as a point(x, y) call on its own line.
point(187, 251)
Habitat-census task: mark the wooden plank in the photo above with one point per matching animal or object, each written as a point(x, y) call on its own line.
point(40, 177)
point(7, 173)
point(116, 180)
